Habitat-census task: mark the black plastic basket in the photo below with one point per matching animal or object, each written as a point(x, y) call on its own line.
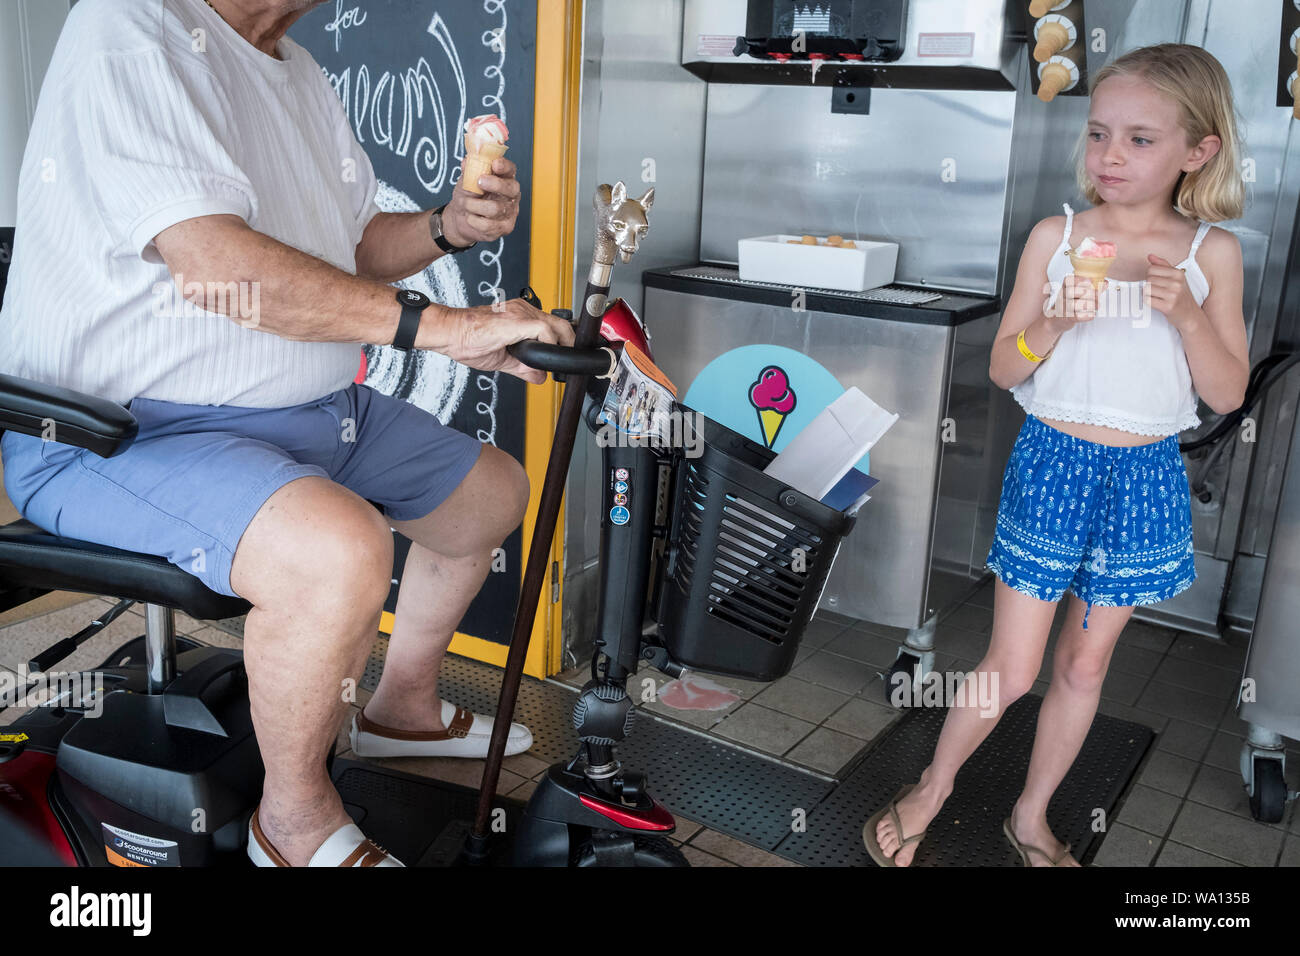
point(733, 599)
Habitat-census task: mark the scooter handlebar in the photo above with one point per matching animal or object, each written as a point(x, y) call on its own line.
point(562, 359)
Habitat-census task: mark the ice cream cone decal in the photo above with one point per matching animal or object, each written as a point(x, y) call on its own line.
point(773, 399)
point(771, 420)
point(485, 141)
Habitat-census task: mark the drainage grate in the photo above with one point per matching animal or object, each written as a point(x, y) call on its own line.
point(723, 787)
point(968, 830)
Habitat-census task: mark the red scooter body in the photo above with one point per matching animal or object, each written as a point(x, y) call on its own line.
point(621, 324)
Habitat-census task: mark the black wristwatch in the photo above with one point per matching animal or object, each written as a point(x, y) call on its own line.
point(440, 240)
point(413, 304)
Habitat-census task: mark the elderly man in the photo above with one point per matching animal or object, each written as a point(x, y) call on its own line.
point(192, 144)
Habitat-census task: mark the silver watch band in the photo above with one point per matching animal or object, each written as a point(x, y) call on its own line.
point(439, 237)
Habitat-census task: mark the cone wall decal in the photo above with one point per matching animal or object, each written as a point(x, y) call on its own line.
point(773, 400)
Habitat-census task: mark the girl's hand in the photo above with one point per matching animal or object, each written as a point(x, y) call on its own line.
point(1076, 303)
point(1167, 290)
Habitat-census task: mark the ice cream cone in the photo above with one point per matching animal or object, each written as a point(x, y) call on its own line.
point(771, 420)
point(478, 164)
point(1092, 267)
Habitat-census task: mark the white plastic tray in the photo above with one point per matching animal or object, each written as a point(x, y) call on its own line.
point(774, 259)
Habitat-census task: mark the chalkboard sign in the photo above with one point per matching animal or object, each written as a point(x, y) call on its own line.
point(6, 254)
point(409, 74)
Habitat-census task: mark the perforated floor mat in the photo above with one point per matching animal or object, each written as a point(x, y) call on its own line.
point(723, 787)
point(763, 802)
point(968, 830)
point(420, 821)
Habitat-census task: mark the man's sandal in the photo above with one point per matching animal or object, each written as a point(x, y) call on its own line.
point(1024, 849)
point(346, 846)
point(466, 735)
point(869, 830)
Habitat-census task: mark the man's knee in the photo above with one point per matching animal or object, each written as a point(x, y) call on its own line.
point(521, 491)
point(504, 496)
point(316, 545)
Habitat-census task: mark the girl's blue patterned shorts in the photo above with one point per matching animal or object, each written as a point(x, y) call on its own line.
point(1111, 525)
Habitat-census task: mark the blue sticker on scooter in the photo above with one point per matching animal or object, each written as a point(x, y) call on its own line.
point(619, 515)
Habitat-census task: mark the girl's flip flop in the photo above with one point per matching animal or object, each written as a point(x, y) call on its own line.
point(869, 829)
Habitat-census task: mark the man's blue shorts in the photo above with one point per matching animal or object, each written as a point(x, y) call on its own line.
point(197, 474)
point(1111, 525)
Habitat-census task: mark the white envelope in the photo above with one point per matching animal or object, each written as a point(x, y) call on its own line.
point(820, 455)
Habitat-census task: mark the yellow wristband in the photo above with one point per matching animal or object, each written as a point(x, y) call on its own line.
point(1026, 351)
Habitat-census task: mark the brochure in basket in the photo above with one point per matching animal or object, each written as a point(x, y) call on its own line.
point(640, 400)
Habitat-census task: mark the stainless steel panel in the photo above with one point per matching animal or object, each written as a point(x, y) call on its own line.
point(883, 566)
point(976, 442)
point(637, 104)
point(642, 121)
point(927, 170)
point(1242, 43)
point(1273, 659)
point(29, 30)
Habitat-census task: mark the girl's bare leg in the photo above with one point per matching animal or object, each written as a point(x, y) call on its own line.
point(1021, 625)
point(1079, 666)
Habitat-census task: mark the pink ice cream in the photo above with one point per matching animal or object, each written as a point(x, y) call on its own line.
point(1092, 248)
point(485, 142)
point(486, 130)
point(772, 391)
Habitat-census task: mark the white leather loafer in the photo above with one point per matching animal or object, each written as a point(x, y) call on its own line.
point(346, 846)
point(466, 735)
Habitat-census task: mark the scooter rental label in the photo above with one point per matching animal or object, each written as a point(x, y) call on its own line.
point(125, 848)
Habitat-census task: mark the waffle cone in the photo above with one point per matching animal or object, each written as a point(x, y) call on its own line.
point(1092, 267)
point(478, 164)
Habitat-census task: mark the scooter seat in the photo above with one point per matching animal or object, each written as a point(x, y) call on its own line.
point(32, 557)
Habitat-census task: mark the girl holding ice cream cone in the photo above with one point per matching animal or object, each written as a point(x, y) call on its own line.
point(1095, 495)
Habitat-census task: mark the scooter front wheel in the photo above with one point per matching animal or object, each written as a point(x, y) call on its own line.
point(647, 851)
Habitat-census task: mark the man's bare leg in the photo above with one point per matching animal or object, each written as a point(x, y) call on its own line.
point(449, 559)
point(316, 564)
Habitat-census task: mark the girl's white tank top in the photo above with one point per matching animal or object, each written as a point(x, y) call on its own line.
point(1126, 368)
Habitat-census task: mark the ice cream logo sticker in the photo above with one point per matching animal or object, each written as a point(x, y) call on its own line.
point(756, 385)
point(773, 400)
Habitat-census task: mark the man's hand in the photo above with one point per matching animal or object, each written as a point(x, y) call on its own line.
point(469, 218)
point(478, 336)
point(1167, 290)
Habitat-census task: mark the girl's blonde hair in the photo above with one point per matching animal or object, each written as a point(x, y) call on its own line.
point(1196, 81)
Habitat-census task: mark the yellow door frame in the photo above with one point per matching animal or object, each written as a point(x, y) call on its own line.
point(555, 171)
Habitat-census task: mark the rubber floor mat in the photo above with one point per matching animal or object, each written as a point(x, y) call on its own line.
point(968, 829)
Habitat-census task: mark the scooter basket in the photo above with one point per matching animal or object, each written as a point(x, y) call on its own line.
point(746, 563)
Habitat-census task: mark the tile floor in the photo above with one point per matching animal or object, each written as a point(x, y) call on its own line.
point(1187, 806)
